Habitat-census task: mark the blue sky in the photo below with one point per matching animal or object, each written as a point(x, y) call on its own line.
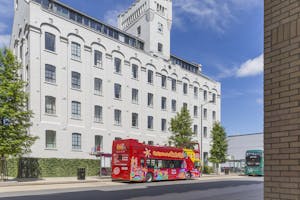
point(225, 36)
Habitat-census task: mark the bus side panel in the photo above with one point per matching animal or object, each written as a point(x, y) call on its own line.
point(137, 173)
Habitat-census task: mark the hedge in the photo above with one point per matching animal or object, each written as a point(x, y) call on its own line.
point(50, 167)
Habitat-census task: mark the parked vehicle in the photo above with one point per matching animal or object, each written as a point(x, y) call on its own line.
point(134, 161)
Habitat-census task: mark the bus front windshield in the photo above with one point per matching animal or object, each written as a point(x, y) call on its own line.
point(253, 159)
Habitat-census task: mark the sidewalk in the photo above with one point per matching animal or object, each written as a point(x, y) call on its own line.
point(52, 180)
point(89, 179)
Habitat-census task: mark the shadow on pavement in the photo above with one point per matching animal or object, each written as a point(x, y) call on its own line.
point(148, 191)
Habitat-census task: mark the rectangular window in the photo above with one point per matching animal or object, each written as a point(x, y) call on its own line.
point(185, 88)
point(139, 30)
point(76, 80)
point(150, 100)
point(196, 92)
point(49, 41)
point(185, 105)
point(50, 105)
point(118, 116)
point(204, 113)
point(98, 86)
point(163, 125)
point(50, 139)
point(135, 72)
point(195, 129)
point(150, 76)
point(135, 120)
point(118, 89)
point(214, 115)
point(173, 84)
point(195, 111)
point(50, 73)
point(98, 142)
point(173, 105)
point(76, 141)
point(163, 103)
point(118, 65)
point(150, 122)
point(214, 98)
point(160, 27)
point(97, 58)
point(205, 132)
point(98, 114)
point(75, 51)
point(159, 47)
point(76, 109)
point(135, 95)
point(151, 143)
point(205, 95)
point(163, 81)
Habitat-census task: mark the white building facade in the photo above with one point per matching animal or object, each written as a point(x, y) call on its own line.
point(90, 83)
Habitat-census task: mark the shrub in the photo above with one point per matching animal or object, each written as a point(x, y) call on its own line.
point(207, 170)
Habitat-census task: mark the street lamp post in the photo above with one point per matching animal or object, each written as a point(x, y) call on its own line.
point(201, 128)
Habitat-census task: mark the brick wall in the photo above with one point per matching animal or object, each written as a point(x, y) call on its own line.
point(282, 99)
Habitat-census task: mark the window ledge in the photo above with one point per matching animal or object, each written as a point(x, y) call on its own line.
point(76, 150)
point(96, 122)
point(49, 51)
point(136, 79)
point(76, 89)
point(135, 127)
point(51, 149)
point(118, 73)
point(51, 115)
point(50, 83)
point(150, 129)
point(120, 125)
point(100, 95)
point(150, 83)
point(118, 99)
point(150, 106)
point(98, 66)
point(135, 103)
point(76, 59)
point(164, 109)
point(76, 118)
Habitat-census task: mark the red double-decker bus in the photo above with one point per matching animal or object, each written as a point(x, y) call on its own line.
point(134, 161)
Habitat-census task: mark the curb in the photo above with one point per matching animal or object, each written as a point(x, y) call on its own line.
point(52, 182)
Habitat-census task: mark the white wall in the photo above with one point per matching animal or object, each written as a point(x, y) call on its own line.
point(66, 31)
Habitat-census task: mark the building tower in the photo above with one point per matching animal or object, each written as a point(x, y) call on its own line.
point(151, 21)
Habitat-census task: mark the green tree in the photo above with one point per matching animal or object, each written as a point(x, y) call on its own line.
point(182, 133)
point(219, 145)
point(14, 115)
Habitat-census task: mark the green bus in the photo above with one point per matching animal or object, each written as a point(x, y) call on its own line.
point(254, 163)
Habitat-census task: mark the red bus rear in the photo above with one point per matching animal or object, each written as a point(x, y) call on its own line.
point(134, 161)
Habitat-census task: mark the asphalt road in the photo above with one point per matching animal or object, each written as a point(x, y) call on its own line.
point(248, 188)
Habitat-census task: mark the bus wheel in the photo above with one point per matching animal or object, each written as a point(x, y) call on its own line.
point(149, 177)
point(188, 175)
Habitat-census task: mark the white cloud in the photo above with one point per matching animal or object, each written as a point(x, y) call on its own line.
point(111, 16)
point(251, 67)
point(4, 40)
point(213, 14)
point(260, 101)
